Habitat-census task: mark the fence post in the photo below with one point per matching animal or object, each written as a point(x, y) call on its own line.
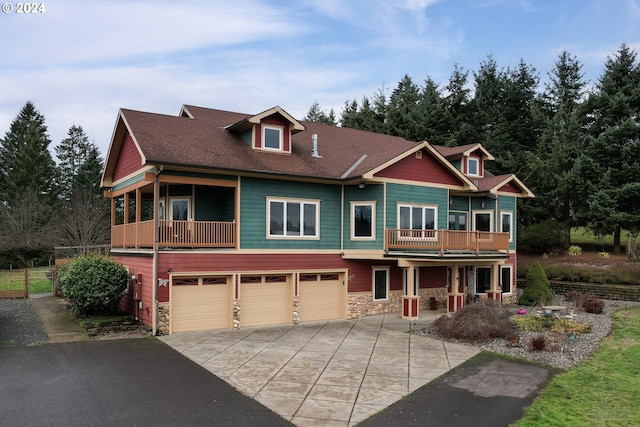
point(26, 282)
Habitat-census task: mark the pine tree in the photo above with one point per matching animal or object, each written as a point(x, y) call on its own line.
point(614, 130)
point(26, 166)
point(79, 163)
point(316, 114)
point(561, 190)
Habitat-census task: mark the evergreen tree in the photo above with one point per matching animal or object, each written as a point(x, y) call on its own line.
point(26, 166)
point(76, 156)
point(460, 128)
point(614, 131)
point(316, 114)
point(434, 126)
point(404, 118)
point(561, 189)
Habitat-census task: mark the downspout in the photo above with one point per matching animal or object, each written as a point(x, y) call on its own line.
point(156, 241)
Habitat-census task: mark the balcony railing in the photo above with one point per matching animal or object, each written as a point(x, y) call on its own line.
point(175, 234)
point(445, 240)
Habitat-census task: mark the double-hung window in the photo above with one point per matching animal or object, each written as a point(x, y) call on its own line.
point(421, 220)
point(363, 220)
point(293, 218)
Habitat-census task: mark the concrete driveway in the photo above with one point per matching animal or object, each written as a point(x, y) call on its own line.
point(325, 373)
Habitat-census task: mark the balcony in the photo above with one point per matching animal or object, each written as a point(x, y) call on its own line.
point(175, 234)
point(442, 241)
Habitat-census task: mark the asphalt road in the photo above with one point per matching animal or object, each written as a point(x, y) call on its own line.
point(134, 382)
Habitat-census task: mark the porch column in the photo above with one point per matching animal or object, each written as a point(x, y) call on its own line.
point(410, 300)
point(455, 298)
point(495, 292)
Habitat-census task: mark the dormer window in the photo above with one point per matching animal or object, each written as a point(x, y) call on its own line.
point(473, 166)
point(272, 137)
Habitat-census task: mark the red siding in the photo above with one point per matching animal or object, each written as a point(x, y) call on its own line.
point(143, 266)
point(129, 159)
point(433, 277)
point(510, 188)
point(426, 169)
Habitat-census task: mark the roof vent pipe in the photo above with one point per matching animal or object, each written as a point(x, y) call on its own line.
point(314, 146)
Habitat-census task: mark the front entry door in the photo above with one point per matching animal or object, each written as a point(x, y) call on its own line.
point(458, 221)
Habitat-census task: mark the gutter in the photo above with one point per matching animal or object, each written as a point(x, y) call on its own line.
point(156, 240)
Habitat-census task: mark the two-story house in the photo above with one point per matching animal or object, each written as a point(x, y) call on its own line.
point(228, 220)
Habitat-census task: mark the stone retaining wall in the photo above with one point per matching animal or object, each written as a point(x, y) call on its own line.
point(606, 291)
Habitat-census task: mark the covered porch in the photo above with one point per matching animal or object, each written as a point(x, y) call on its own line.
point(174, 212)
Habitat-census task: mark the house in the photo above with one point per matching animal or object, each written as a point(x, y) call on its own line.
point(230, 220)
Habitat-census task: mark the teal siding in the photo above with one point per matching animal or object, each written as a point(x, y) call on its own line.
point(214, 203)
point(128, 182)
point(413, 194)
point(371, 193)
point(253, 213)
point(459, 203)
point(508, 203)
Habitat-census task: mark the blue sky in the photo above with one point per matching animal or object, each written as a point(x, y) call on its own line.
point(79, 62)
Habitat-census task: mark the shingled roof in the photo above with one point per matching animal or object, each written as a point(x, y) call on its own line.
point(199, 138)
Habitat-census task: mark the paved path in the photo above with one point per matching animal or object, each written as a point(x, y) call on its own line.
point(338, 372)
point(56, 319)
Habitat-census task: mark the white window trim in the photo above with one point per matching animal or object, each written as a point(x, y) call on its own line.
point(510, 268)
point(425, 235)
point(373, 220)
point(280, 130)
point(477, 160)
point(475, 228)
point(301, 236)
point(510, 215)
point(387, 270)
point(189, 207)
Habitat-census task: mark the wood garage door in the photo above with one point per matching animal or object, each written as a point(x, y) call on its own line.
point(199, 303)
point(322, 297)
point(265, 300)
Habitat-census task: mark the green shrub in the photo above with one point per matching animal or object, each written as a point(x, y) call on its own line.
point(545, 237)
point(94, 284)
point(536, 288)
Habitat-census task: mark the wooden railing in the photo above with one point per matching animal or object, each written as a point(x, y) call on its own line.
point(445, 240)
point(175, 234)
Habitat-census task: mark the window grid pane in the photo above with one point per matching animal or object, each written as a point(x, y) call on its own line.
point(309, 219)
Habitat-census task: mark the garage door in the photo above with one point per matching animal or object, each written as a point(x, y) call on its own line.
point(265, 300)
point(322, 297)
point(199, 303)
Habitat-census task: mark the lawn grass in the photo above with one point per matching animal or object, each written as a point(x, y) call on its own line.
point(581, 236)
point(14, 280)
point(601, 391)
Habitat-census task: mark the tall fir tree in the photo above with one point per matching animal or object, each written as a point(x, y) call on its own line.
point(561, 190)
point(614, 131)
point(78, 163)
point(26, 165)
point(317, 114)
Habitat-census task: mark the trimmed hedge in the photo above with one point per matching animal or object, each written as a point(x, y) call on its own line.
point(536, 289)
point(94, 284)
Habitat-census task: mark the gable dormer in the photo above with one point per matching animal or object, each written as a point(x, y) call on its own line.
point(269, 131)
point(468, 159)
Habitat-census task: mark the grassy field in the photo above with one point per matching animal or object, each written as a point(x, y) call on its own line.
point(14, 280)
point(581, 236)
point(601, 391)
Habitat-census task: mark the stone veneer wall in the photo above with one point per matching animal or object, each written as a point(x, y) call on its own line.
point(163, 319)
